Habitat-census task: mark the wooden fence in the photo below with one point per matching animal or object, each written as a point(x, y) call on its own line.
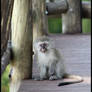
point(72, 12)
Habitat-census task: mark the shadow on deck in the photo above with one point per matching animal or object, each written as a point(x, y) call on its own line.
point(76, 51)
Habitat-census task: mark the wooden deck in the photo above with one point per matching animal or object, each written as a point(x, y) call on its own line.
point(76, 51)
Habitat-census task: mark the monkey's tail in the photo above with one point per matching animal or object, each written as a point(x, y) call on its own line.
point(78, 79)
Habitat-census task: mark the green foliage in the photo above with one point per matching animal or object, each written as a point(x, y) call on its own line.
point(86, 25)
point(5, 81)
point(54, 25)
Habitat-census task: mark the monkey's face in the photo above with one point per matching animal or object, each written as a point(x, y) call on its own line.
point(43, 47)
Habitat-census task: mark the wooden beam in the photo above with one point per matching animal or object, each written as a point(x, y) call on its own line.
point(55, 8)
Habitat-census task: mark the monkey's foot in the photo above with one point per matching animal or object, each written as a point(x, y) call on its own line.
point(53, 77)
point(37, 79)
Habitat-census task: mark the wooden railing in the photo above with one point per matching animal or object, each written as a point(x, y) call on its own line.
point(72, 12)
point(54, 8)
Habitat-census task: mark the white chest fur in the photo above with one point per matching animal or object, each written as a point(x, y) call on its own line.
point(46, 58)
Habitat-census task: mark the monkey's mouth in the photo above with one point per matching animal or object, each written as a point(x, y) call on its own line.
point(43, 50)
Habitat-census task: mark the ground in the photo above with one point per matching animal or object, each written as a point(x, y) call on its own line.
point(76, 50)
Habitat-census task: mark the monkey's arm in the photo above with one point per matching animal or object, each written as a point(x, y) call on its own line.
point(43, 73)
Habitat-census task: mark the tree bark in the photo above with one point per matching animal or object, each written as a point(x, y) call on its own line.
point(40, 25)
point(71, 20)
point(22, 37)
point(6, 14)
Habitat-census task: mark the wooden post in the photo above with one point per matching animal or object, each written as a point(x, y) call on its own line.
point(22, 37)
point(71, 20)
point(40, 25)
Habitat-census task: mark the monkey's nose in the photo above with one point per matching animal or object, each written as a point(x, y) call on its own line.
point(43, 50)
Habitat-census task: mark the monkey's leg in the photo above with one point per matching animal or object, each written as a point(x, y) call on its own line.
point(43, 72)
point(60, 70)
point(52, 74)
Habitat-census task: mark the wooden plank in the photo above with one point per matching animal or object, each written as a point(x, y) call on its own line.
point(56, 7)
point(77, 62)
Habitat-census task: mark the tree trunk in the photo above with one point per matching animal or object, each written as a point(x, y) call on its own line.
point(40, 26)
point(71, 20)
point(22, 37)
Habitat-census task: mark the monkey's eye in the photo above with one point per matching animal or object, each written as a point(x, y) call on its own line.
point(43, 45)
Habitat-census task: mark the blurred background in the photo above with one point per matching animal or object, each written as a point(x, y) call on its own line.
point(54, 26)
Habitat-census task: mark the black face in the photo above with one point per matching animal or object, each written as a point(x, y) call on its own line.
point(43, 47)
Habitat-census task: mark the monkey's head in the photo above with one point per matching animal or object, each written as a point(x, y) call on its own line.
point(43, 44)
point(43, 47)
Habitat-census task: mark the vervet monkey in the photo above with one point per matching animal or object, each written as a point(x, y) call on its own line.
point(51, 63)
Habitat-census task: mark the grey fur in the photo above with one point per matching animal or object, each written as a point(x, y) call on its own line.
point(51, 63)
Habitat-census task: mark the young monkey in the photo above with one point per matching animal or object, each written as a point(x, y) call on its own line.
point(50, 62)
